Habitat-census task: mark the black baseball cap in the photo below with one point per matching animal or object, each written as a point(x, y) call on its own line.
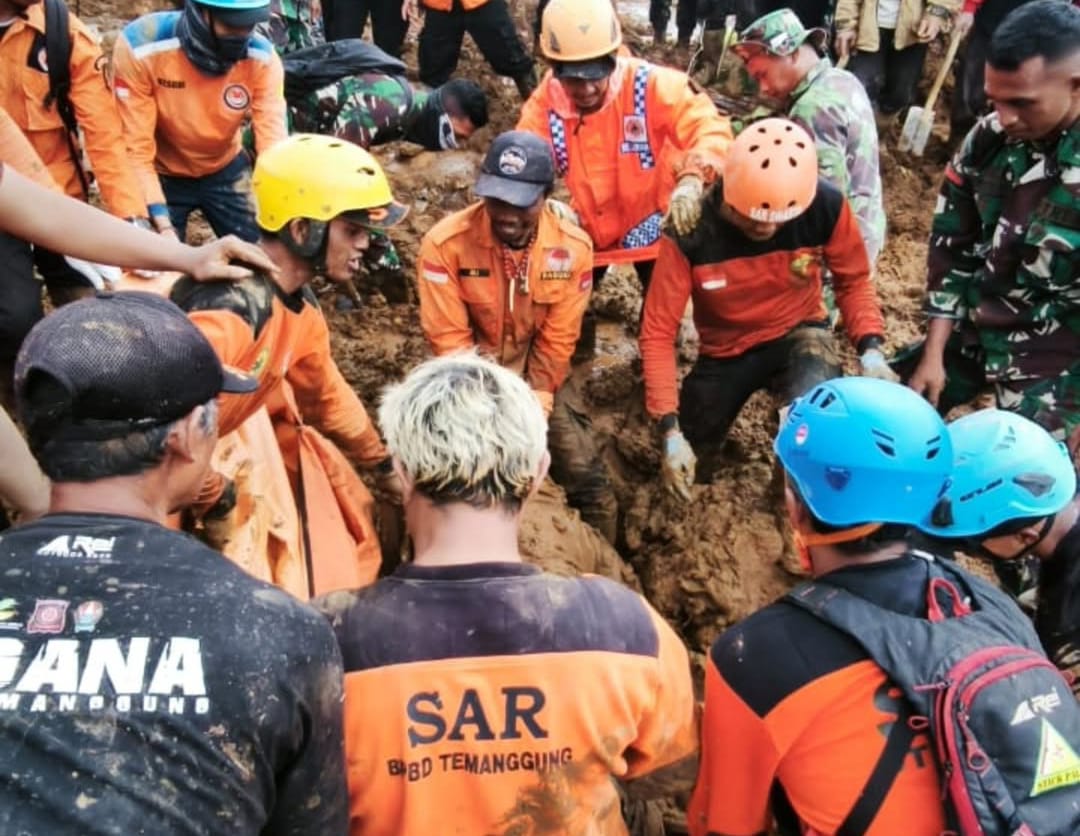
point(518, 169)
point(115, 364)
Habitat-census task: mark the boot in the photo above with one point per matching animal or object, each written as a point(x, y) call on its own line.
point(526, 82)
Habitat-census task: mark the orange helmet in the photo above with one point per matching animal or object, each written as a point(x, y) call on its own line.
point(771, 171)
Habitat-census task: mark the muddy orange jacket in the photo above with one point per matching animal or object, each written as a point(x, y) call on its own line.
point(749, 292)
point(467, 300)
point(181, 122)
point(256, 328)
point(620, 162)
point(494, 698)
point(284, 341)
point(17, 152)
point(24, 84)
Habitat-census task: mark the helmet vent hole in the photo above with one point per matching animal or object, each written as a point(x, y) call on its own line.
point(794, 163)
point(935, 448)
point(791, 204)
point(765, 163)
point(800, 144)
point(885, 442)
point(754, 148)
point(778, 142)
point(1036, 484)
point(760, 129)
point(787, 128)
point(765, 206)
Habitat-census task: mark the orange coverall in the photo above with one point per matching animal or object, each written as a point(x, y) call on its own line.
point(24, 84)
point(621, 162)
point(182, 122)
point(285, 342)
point(466, 299)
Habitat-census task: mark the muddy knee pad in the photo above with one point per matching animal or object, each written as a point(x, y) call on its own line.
point(576, 462)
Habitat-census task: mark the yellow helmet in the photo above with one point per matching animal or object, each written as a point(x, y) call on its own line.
point(318, 178)
point(579, 30)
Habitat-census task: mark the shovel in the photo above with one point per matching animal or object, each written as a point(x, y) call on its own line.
point(920, 120)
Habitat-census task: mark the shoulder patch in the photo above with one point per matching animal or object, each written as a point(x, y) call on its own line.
point(251, 299)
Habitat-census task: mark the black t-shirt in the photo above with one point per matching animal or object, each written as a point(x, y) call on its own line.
point(149, 686)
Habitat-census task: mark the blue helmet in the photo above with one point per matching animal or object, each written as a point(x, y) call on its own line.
point(860, 450)
point(1005, 467)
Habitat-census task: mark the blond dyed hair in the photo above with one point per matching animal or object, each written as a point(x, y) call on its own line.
point(466, 430)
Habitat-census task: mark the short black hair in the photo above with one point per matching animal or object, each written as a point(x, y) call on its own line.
point(1047, 29)
point(462, 97)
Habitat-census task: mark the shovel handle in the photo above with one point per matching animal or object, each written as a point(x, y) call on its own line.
point(943, 71)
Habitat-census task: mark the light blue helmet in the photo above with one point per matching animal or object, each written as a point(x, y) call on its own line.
point(1005, 468)
point(861, 450)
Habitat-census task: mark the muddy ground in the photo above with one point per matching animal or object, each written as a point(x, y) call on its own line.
point(728, 552)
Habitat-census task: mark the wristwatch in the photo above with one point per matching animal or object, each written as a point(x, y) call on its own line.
point(939, 11)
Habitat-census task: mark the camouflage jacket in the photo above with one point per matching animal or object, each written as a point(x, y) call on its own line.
point(832, 105)
point(1003, 251)
point(294, 24)
point(367, 109)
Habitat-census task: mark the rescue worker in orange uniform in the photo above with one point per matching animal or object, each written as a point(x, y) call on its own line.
point(623, 130)
point(511, 276)
point(24, 94)
point(483, 695)
point(318, 200)
point(753, 268)
point(186, 83)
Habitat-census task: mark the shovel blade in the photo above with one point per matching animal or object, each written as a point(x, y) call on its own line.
point(916, 130)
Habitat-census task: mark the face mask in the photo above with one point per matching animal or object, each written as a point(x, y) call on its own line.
point(233, 48)
point(211, 54)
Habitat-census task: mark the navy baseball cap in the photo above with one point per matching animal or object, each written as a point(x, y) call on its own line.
point(519, 169)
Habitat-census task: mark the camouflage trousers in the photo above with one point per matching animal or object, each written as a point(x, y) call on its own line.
point(1052, 402)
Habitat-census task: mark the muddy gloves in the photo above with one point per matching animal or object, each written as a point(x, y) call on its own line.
point(678, 465)
point(872, 363)
point(562, 211)
point(685, 209)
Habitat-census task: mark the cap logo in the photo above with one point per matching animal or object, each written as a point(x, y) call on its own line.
point(513, 160)
point(801, 434)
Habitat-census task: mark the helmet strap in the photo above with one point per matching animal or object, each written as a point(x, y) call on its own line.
point(312, 246)
point(816, 538)
point(805, 539)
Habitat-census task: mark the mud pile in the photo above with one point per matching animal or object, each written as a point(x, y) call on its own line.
point(726, 554)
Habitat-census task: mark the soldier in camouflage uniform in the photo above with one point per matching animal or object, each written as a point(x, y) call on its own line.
point(786, 61)
point(1003, 268)
point(375, 108)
